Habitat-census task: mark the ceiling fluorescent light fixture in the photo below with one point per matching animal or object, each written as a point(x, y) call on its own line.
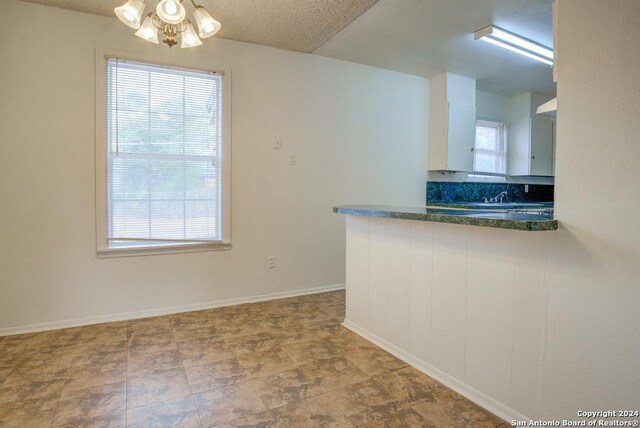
point(503, 38)
point(168, 22)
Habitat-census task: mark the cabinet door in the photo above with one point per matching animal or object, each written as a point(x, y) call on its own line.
point(541, 145)
point(461, 130)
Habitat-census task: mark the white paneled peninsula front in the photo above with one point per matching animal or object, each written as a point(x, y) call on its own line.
point(464, 304)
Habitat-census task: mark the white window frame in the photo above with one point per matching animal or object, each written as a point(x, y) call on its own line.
point(504, 135)
point(103, 249)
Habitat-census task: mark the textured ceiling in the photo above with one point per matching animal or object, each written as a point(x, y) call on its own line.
point(427, 37)
point(299, 25)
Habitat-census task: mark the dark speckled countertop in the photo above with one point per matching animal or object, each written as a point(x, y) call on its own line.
point(501, 220)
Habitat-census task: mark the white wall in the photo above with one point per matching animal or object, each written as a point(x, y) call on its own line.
point(359, 133)
point(493, 106)
point(594, 277)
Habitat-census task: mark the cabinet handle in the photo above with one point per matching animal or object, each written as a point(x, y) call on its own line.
point(472, 149)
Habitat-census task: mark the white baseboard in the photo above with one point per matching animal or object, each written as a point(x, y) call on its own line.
point(497, 408)
point(77, 322)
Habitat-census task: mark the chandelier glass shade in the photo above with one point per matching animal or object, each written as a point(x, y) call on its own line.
point(171, 11)
point(168, 22)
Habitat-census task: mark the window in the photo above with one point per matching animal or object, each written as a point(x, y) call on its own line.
point(165, 174)
point(490, 152)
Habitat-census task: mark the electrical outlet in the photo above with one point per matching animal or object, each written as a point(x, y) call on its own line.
point(292, 158)
point(526, 188)
point(271, 262)
point(277, 143)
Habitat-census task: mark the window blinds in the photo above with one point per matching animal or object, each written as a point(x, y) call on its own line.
point(164, 159)
point(490, 154)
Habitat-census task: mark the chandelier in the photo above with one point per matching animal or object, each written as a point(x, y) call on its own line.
point(168, 22)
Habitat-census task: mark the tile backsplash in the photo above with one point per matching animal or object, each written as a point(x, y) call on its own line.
point(439, 192)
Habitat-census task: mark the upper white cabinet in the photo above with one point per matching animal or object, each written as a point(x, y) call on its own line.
point(452, 123)
point(542, 145)
point(531, 137)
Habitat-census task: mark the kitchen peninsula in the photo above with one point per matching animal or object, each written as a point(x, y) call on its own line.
point(464, 304)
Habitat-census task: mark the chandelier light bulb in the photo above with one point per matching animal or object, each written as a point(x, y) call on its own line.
point(171, 11)
point(130, 13)
point(148, 31)
point(206, 24)
point(190, 38)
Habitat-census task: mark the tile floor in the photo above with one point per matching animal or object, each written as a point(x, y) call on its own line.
point(283, 363)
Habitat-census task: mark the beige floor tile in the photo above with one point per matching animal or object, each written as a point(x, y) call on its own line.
point(143, 362)
point(227, 404)
point(32, 390)
point(329, 330)
point(56, 337)
point(311, 316)
point(190, 322)
point(277, 322)
point(452, 409)
point(260, 420)
point(149, 326)
point(177, 413)
point(30, 371)
point(411, 385)
point(209, 332)
point(238, 329)
point(156, 386)
point(376, 361)
point(86, 376)
point(215, 375)
point(333, 373)
point(194, 351)
point(10, 358)
point(335, 310)
point(28, 413)
point(115, 420)
point(308, 352)
point(230, 317)
point(105, 342)
point(104, 333)
point(348, 343)
point(88, 404)
point(259, 364)
point(17, 340)
point(101, 353)
point(152, 343)
point(4, 373)
point(314, 412)
point(243, 345)
point(286, 387)
point(403, 419)
point(12, 347)
point(365, 402)
point(292, 335)
point(53, 356)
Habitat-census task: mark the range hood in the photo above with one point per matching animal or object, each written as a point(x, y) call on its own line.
point(549, 108)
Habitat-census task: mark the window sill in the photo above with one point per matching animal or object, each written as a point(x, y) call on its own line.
point(104, 253)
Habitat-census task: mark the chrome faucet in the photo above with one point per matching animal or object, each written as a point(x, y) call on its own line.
point(498, 198)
